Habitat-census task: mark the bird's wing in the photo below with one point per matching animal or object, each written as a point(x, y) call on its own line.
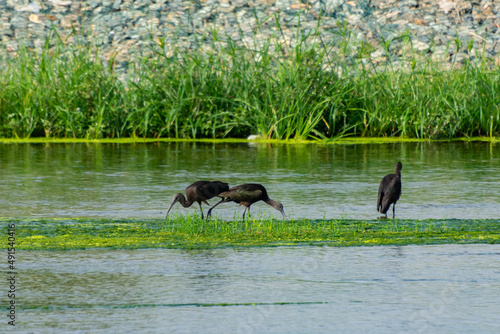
point(383, 190)
point(222, 186)
point(196, 184)
point(394, 189)
point(380, 196)
point(208, 190)
point(244, 195)
point(397, 189)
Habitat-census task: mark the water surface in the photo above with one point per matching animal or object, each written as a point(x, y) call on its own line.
point(440, 180)
point(408, 289)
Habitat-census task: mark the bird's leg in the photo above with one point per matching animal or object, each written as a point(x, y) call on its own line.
point(393, 210)
point(210, 210)
point(246, 207)
point(199, 203)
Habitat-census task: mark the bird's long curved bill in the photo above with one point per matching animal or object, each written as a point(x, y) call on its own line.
point(283, 213)
point(169, 208)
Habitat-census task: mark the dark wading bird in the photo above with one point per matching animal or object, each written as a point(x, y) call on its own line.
point(389, 191)
point(247, 194)
point(199, 192)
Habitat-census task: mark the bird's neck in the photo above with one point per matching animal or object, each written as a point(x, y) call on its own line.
point(272, 203)
point(185, 203)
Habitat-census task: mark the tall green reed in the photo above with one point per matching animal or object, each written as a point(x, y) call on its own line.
point(62, 91)
point(302, 87)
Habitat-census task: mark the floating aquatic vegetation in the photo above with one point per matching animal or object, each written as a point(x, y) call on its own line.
point(191, 232)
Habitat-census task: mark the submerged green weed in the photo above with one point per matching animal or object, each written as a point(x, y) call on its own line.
point(191, 232)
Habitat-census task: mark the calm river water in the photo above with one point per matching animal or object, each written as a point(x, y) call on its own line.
point(411, 289)
point(440, 180)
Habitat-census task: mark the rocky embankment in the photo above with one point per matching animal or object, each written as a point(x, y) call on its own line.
point(129, 28)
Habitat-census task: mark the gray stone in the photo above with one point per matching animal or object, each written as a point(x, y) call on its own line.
point(117, 4)
point(19, 22)
point(6, 31)
point(129, 25)
point(93, 3)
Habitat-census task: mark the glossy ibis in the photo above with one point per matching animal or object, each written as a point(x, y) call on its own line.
point(247, 194)
point(199, 192)
point(389, 191)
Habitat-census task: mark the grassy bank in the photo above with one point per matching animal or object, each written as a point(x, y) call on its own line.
point(191, 232)
point(312, 90)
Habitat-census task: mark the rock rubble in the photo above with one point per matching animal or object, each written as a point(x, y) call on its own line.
point(129, 28)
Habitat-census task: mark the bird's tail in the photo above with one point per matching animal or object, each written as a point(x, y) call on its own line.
point(384, 207)
point(379, 201)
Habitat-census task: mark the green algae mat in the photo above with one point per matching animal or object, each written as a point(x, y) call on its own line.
point(191, 232)
point(336, 140)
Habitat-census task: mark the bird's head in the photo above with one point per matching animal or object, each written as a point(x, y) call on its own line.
point(278, 206)
point(399, 167)
point(177, 197)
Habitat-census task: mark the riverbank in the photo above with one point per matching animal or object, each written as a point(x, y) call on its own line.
point(282, 70)
point(307, 92)
point(339, 141)
point(191, 232)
